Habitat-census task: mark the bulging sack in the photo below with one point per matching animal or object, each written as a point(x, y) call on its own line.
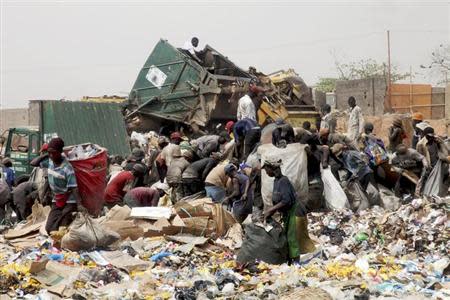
point(334, 194)
point(85, 233)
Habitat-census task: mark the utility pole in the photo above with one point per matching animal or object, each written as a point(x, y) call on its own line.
point(389, 70)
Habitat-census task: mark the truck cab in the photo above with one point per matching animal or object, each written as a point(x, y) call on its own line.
point(21, 145)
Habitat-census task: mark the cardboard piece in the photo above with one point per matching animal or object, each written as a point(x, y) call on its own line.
point(178, 222)
point(55, 273)
point(151, 213)
point(126, 229)
point(124, 261)
point(161, 223)
point(199, 226)
point(187, 239)
point(223, 219)
point(22, 231)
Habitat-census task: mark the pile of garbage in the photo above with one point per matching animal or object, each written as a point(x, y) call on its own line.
point(81, 152)
point(189, 251)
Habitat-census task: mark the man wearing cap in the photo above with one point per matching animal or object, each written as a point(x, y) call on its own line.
point(355, 124)
point(166, 156)
point(179, 163)
point(145, 196)
point(124, 181)
point(396, 134)
point(194, 175)
point(417, 118)
point(408, 161)
point(285, 201)
point(241, 197)
point(137, 158)
point(62, 181)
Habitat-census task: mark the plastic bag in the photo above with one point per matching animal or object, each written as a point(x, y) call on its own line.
point(334, 194)
point(435, 183)
point(356, 196)
point(270, 247)
point(85, 233)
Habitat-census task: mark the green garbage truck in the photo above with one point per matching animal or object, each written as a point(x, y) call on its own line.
point(75, 122)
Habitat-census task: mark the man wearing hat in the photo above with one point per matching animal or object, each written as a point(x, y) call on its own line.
point(396, 134)
point(62, 181)
point(165, 157)
point(417, 118)
point(285, 201)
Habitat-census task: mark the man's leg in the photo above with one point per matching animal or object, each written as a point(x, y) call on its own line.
point(67, 214)
point(53, 218)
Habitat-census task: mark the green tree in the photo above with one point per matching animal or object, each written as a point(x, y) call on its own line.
point(360, 69)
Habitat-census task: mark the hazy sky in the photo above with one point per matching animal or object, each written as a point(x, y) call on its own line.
point(68, 49)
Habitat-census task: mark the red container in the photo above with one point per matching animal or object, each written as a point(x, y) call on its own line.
point(91, 179)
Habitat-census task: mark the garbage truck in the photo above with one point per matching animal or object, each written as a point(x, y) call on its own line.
point(176, 88)
point(76, 122)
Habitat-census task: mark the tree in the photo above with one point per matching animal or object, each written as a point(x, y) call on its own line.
point(360, 69)
point(326, 84)
point(440, 63)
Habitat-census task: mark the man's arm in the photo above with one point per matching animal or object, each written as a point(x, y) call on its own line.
point(37, 160)
point(247, 185)
point(269, 212)
point(360, 121)
point(211, 164)
point(235, 192)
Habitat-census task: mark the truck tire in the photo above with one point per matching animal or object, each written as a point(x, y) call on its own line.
point(21, 178)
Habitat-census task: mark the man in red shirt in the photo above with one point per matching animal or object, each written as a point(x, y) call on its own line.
point(145, 196)
point(116, 189)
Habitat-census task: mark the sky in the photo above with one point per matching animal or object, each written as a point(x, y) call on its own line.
point(69, 49)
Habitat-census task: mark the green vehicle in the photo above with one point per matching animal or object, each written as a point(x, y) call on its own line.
point(75, 122)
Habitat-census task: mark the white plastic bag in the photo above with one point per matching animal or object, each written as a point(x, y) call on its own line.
point(435, 183)
point(334, 194)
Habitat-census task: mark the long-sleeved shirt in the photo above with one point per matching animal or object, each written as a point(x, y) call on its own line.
point(354, 163)
point(355, 123)
point(200, 169)
point(175, 170)
point(243, 126)
point(328, 121)
point(246, 108)
point(207, 144)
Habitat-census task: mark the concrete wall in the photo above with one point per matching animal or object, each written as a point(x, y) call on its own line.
point(447, 101)
point(13, 117)
point(369, 94)
point(437, 97)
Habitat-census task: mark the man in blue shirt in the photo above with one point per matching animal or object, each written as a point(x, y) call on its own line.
point(8, 172)
point(62, 181)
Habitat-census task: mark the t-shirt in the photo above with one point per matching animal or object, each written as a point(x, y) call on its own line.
point(168, 152)
point(283, 192)
point(200, 169)
point(62, 178)
point(9, 176)
point(114, 190)
point(246, 108)
point(243, 126)
point(175, 170)
point(217, 176)
point(144, 196)
point(207, 144)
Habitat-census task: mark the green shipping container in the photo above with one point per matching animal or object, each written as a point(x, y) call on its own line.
point(173, 86)
point(85, 122)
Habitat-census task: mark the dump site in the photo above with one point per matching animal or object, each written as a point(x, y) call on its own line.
point(209, 181)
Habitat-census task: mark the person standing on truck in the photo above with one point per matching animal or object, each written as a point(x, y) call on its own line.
point(355, 120)
point(246, 107)
point(62, 181)
point(191, 47)
point(8, 172)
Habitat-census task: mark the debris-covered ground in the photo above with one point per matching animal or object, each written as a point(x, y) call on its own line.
point(373, 254)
